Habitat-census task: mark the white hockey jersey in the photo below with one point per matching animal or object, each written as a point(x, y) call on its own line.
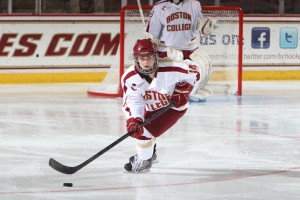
point(139, 94)
point(175, 25)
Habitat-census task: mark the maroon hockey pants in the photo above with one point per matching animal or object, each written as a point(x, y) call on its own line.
point(162, 123)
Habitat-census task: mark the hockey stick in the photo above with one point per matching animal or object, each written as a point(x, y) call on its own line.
point(71, 170)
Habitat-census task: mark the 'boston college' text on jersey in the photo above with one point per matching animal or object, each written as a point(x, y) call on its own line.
point(138, 92)
point(175, 25)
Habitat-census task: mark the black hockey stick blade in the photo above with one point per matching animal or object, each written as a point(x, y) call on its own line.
point(61, 168)
point(71, 170)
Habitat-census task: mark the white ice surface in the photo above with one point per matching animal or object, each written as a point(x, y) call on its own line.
point(226, 148)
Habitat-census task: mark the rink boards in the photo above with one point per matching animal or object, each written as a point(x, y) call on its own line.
point(46, 49)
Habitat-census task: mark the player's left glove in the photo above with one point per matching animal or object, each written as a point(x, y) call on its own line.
point(181, 94)
point(134, 124)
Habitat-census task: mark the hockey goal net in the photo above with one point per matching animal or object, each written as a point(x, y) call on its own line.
point(224, 46)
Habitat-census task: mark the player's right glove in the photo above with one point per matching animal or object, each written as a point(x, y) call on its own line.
point(181, 94)
point(134, 124)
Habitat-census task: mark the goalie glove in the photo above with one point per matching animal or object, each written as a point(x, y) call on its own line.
point(134, 124)
point(205, 26)
point(181, 93)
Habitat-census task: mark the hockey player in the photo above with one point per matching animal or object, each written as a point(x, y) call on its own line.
point(174, 25)
point(148, 86)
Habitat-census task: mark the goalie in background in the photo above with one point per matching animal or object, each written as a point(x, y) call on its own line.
point(149, 85)
point(174, 25)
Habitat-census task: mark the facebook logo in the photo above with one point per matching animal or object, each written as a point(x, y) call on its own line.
point(289, 38)
point(260, 38)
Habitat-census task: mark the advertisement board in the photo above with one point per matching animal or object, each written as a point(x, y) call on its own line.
point(58, 41)
point(89, 43)
point(271, 41)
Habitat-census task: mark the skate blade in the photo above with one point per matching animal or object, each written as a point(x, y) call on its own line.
point(138, 172)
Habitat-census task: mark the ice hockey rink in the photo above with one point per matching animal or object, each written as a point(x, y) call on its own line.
point(229, 147)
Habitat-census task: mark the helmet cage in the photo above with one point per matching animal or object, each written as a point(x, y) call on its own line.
point(145, 71)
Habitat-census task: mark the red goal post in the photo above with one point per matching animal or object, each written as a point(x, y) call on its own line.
point(224, 47)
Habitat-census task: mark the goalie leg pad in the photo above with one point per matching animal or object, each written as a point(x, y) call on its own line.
point(204, 63)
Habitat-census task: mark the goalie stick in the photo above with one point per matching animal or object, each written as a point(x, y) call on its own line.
point(141, 12)
point(71, 170)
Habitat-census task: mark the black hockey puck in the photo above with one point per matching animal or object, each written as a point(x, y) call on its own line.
point(68, 184)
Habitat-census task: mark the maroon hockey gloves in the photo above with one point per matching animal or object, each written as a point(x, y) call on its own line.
point(181, 94)
point(134, 124)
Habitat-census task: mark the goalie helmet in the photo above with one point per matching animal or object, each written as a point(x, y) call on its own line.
point(177, 1)
point(144, 48)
